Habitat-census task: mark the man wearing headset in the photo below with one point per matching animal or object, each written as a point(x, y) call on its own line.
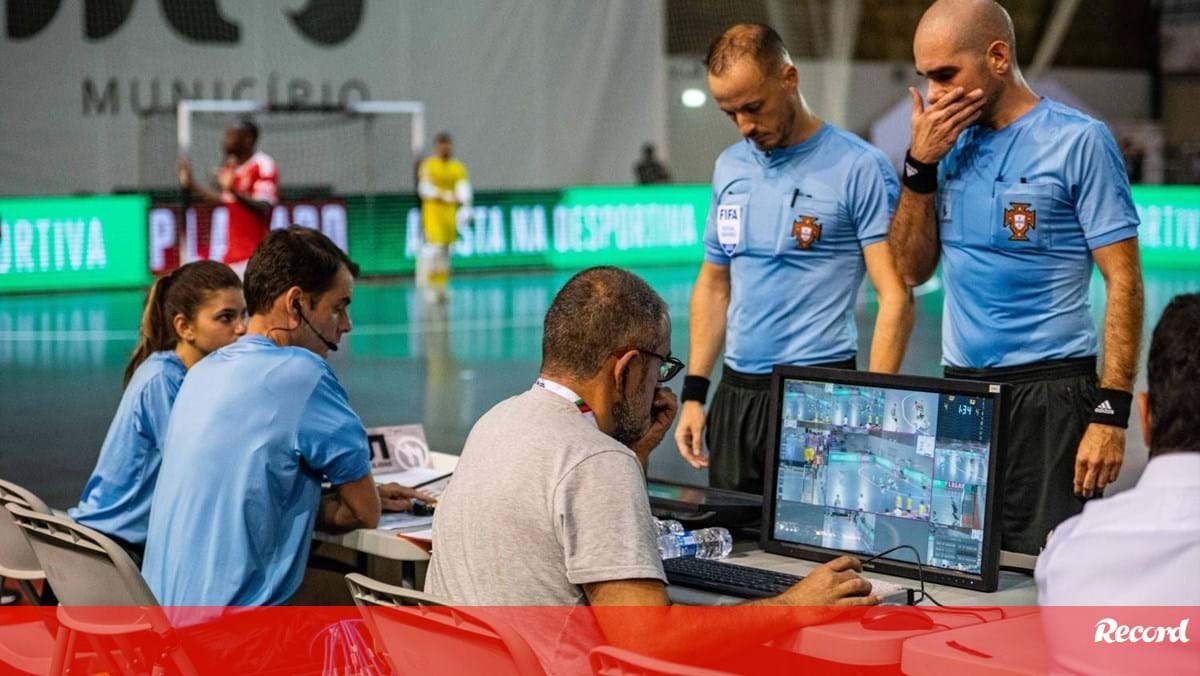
point(253, 435)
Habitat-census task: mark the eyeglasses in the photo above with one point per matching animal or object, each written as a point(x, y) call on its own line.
point(669, 368)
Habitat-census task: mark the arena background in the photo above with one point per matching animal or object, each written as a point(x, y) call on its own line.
point(549, 104)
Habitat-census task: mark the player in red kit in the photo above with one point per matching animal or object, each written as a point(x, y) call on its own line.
point(249, 188)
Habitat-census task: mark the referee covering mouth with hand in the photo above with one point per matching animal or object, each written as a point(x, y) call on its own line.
point(1018, 195)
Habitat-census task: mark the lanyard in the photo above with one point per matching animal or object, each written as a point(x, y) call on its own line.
point(566, 393)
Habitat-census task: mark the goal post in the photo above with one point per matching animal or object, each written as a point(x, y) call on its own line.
point(188, 107)
point(334, 163)
point(185, 110)
point(363, 112)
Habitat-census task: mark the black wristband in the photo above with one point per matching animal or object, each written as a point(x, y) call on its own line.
point(1112, 408)
point(918, 176)
point(695, 388)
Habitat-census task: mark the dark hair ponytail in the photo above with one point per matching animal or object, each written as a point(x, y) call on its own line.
point(183, 291)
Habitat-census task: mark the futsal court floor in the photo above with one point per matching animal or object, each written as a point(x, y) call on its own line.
point(62, 357)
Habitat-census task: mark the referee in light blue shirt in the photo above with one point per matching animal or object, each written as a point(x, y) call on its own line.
point(256, 427)
point(799, 214)
point(1020, 195)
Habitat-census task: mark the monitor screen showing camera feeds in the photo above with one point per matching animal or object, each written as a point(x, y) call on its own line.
point(864, 469)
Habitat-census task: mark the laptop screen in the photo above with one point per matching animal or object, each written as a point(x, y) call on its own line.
point(863, 463)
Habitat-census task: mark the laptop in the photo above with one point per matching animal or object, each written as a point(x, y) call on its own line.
point(702, 507)
point(860, 463)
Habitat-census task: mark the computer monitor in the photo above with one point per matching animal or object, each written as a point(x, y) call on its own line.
point(862, 462)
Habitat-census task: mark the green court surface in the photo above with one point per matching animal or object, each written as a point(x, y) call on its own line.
point(62, 357)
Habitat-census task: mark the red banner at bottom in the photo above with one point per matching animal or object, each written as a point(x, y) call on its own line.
point(429, 640)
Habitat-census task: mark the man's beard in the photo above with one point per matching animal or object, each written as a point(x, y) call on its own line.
point(987, 113)
point(783, 132)
point(630, 421)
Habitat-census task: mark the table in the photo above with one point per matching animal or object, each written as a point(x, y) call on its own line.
point(1016, 595)
point(387, 544)
point(1005, 648)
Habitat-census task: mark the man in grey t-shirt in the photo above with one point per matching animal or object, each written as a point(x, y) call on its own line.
point(548, 505)
point(542, 503)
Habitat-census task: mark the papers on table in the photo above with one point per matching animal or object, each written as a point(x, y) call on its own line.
point(433, 479)
point(420, 538)
point(419, 535)
point(403, 521)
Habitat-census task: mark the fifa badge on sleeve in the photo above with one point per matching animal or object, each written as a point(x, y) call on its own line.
point(729, 227)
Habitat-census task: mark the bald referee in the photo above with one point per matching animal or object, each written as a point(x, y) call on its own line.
point(800, 211)
point(1019, 195)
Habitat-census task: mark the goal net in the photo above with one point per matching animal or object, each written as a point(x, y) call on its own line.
point(363, 147)
point(350, 154)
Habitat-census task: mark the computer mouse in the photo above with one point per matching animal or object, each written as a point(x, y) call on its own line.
point(895, 618)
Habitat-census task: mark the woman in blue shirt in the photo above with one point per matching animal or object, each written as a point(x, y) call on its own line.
point(189, 313)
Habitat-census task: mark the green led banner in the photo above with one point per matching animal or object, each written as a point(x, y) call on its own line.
point(506, 230)
point(647, 225)
point(629, 226)
point(570, 228)
point(63, 243)
point(1170, 233)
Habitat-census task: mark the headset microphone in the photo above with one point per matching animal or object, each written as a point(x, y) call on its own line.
point(328, 343)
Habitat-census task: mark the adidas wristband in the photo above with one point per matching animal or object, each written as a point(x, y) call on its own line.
point(695, 388)
point(1112, 408)
point(919, 177)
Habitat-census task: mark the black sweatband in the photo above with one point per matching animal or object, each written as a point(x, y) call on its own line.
point(695, 388)
point(919, 177)
point(1112, 408)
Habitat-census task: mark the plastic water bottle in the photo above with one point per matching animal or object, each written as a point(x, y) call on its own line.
point(705, 543)
point(666, 526)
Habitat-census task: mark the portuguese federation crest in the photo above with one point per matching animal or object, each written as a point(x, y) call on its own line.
point(1020, 219)
point(806, 230)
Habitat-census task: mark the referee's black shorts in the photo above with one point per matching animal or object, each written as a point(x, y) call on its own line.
point(1049, 410)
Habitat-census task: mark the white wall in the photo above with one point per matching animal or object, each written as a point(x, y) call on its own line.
point(538, 94)
point(697, 135)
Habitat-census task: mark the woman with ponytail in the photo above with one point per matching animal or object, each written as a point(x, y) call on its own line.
point(189, 313)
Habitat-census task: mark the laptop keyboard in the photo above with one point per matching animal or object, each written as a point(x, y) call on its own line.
point(727, 578)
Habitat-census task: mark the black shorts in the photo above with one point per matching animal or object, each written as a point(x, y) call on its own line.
point(1050, 406)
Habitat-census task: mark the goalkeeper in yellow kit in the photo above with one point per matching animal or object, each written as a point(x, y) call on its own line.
point(445, 200)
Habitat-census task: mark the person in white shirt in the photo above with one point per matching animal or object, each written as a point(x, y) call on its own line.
point(1142, 547)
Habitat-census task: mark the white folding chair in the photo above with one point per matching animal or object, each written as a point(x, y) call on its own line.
point(421, 634)
point(102, 595)
point(17, 560)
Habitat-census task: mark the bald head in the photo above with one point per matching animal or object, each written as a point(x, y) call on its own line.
point(755, 40)
point(968, 45)
point(967, 24)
